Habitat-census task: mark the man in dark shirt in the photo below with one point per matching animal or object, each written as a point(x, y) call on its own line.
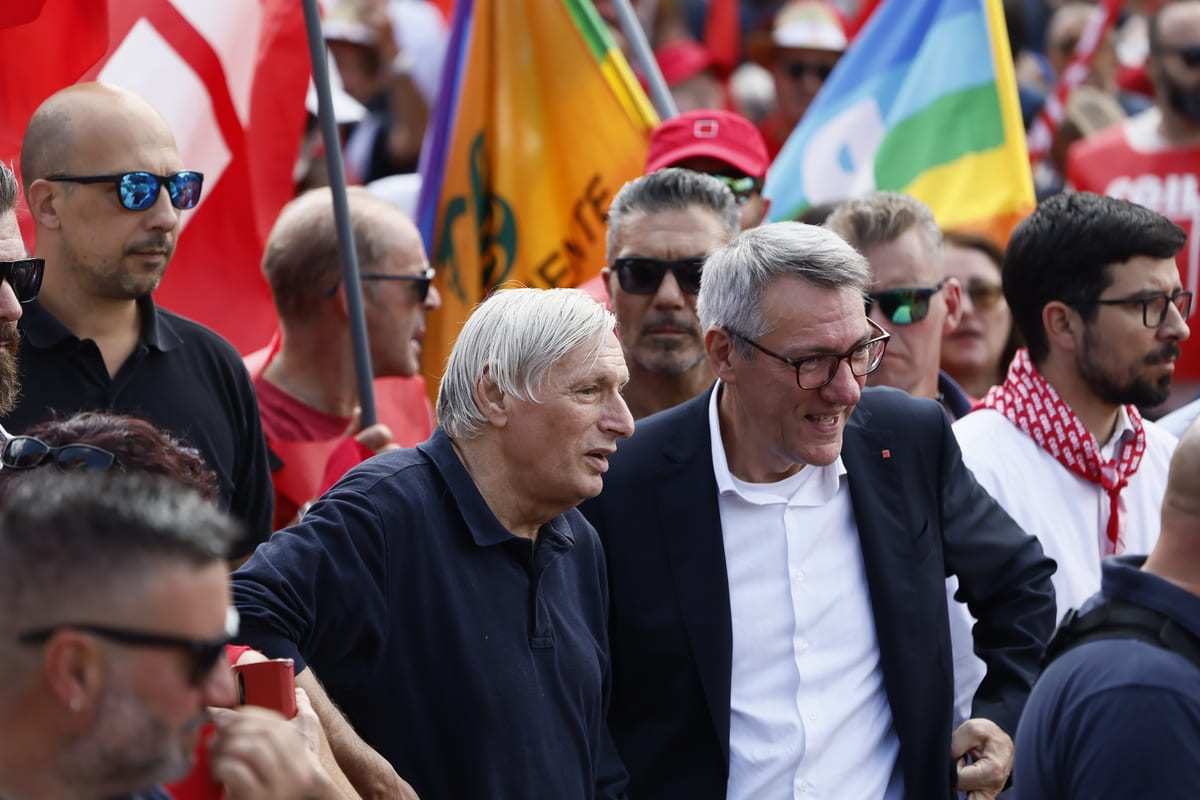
point(18, 273)
point(451, 598)
point(105, 184)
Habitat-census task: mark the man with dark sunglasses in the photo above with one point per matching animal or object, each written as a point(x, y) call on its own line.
point(20, 285)
point(1094, 289)
point(1153, 158)
point(910, 296)
point(106, 189)
point(777, 552)
point(305, 379)
point(660, 228)
point(114, 616)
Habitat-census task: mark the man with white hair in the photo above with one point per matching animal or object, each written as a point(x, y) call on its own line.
point(452, 600)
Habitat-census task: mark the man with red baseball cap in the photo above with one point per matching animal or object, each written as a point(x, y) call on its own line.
point(722, 144)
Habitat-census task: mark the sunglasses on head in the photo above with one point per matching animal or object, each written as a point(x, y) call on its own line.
point(904, 306)
point(421, 282)
point(24, 276)
point(638, 275)
point(138, 191)
point(797, 69)
point(743, 187)
point(27, 452)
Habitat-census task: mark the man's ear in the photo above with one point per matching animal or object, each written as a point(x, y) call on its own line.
point(1063, 325)
point(73, 667)
point(719, 346)
point(954, 305)
point(765, 211)
point(44, 201)
point(608, 276)
point(492, 402)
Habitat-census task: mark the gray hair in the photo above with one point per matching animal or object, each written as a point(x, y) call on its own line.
point(69, 542)
point(882, 218)
point(671, 189)
point(8, 189)
point(518, 335)
point(737, 274)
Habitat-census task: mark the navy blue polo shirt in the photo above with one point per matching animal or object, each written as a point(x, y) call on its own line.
point(1116, 717)
point(182, 377)
point(473, 660)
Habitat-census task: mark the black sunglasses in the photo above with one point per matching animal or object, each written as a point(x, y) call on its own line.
point(421, 282)
point(24, 276)
point(638, 275)
point(1189, 54)
point(1154, 307)
point(743, 188)
point(27, 452)
point(904, 306)
point(139, 190)
point(204, 654)
point(814, 372)
point(797, 69)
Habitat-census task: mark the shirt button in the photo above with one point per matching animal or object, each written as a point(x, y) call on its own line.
point(803, 646)
point(798, 575)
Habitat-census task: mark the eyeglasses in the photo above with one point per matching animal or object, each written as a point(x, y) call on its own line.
point(904, 306)
point(985, 296)
point(638, 275)
point(1154, 307)
point(1189, 54)
point(743, 188)
point(24, 276)
point(421, 282)
point(204, 654)
point(814, 372)
point(138, 191)
point(27, 452)
point(797, 69)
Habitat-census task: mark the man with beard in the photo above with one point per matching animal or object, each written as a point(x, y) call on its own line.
point(21, 278)
point(1153, 159)
point(114, 615)
point(105, 184)
point(1093, 287)
point(660, 228)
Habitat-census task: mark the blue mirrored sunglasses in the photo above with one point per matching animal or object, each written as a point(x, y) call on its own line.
point(138, 191)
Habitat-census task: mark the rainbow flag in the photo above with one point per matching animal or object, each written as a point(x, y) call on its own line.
point(539, 124)
point(924, 102)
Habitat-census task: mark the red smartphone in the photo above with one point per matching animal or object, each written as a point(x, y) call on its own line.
point(268, 684)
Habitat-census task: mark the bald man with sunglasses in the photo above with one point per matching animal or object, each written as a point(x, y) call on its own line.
point(106, 187)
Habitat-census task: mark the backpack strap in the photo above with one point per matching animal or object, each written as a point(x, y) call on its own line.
point(1118, 619)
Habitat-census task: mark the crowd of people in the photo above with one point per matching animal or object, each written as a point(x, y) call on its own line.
point(763, 510)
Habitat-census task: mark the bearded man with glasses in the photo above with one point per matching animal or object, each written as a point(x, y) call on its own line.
point(20, 280)
point(1093, 287)
point(777, 551)
point(106, 188)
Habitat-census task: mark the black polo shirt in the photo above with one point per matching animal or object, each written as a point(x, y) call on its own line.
point(182, 377)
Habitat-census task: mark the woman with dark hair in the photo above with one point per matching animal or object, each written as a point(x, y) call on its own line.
point(96, 440)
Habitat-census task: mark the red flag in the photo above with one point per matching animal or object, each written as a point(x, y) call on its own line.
point(723, 34)
point(230, 77)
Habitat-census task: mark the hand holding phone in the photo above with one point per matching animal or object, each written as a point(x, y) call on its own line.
point(268, 684)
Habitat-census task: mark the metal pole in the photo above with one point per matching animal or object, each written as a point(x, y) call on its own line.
point(660, 95)
point(341, 214)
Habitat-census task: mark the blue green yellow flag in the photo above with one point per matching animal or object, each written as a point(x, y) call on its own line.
point(923, 102)
point(541, 121)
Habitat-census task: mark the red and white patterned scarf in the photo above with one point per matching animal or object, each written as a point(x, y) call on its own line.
point(1030, 403)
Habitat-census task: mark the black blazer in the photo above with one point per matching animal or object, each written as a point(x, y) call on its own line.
point(921, 517)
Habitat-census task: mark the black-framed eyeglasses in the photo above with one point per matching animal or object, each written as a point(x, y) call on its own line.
point(1154, 307)
point(1189, 54)
point(24, 276)
point(814, 372)
point(797, 69)
point(743, 187)
point(641, 275)
point(421, 283)
point(204, 653)
point(138, 191)
point(905, 306)
point(28, 452)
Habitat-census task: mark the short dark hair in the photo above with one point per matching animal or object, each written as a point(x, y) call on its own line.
point(69, 537)
point(1064, 250)
point(671, 189)
point(138, 445)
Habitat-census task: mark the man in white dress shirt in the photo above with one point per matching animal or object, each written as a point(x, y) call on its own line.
point(1093, 286)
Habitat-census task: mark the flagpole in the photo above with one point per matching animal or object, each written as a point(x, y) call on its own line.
point(660, 95)
point(341, 213)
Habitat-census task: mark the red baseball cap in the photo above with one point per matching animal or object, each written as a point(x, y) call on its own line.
point(722, 135)
point(681, 60)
